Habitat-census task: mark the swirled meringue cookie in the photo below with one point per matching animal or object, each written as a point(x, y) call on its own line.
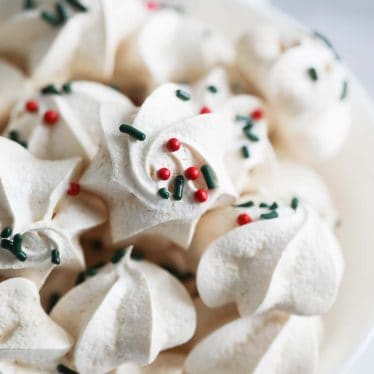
point(170, 47)
point(39, 228)
point(66, 39)
point(257, 345)
point(161, 170)
point(264, 255)
point(28, 337)
point(142, 309)
point(70, 112)
point(13, 86)
point(305, 85)
point(247, 138)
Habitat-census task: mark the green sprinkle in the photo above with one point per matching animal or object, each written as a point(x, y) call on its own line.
point(270, 215)
point(137, 254)
point(344, 91)
point(28, 4)
point(273, 206)
point(55, 257)
point(294, 203)
point(14, 135)
point(164, 193)
point(61, 12)
point(212, 89)
point(65, 370)
point(239, 118)
point(247, 204)
point(178, 187)
point(245, 151)
point(77, 5)
point(7, 244)
point(250, 135)
point(21, 256)
point(51, 19)
point(91, 272)
point(66, 87)
point(263, 205)
point(132, 131)
point(52, 301)
point(183, 95)
point(17, 242)
point(80, 278)
point(248, 124)
point(6, 232)
point(327, 42)
point(208, 176)
point(313, 75)
point(118, 255)
point(50, 89)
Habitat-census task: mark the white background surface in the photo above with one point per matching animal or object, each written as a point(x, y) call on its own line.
point(349, 24)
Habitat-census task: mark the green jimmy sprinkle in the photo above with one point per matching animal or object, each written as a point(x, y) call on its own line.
point(183, 95)
point(209, 176)
point(263, 205)
point(313, 74)
point(245, 151)
point(344, 91)
point(61, 12)
point(66, 87)
point(58, 18)
point(7, 244)
point(178, 187)
point(28, 4)
point(164, 193)
point(212, 89)
point(294, 203)
point(247, 204)
point(6, 232)
point(250, 135)
point(327, 42)
point(273, 206)
point(76, 4)
point(17, 242)
point(270, 215)
point(65, 370)
point(118, 255)
point(52, 301)
point(50, 89)
point(133, 132)
point(15, 136)
point(55, 257)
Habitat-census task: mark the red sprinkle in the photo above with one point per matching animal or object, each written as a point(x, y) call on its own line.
point(205, 110)
point(192, 173)
point(173, 144)
point(243, 219)
point(74, 189)
point(51, 117)
point(32, 106)
point(153, 5)
point(257, 114)
point(201, 195)
point(163, 174)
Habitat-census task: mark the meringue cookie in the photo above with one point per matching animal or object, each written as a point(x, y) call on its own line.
point(285, 258)
point(305, 86)
point(13, 86)
point(170, 47)
point(15, 368)
point(125, 173)
point(247, 139)
point(257, 345)
point(142, 309)
point(28, 336)
point(84, 44)
point(77, 105)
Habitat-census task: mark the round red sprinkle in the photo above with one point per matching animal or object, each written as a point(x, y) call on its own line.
point(32, 106)
point(163, 174)
point(192, 173)
point(201, 195)
point(153, 5)
point(243, 219)
point(51, 117)
point(74, 189)
point(257, 114)
point(173, 144)
point(205, 110)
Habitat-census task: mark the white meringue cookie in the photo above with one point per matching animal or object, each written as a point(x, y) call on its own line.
point(27, 335)
point(257, 345)
point(125, 172)
point(140, 307)
point(13, 86)
point(291, 262)
point(78, 122)
point(83, 45)
point(305, 86)
point(15, 368)
point(170, 47)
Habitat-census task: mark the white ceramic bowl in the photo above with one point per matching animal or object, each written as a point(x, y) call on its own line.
point(350, 177)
